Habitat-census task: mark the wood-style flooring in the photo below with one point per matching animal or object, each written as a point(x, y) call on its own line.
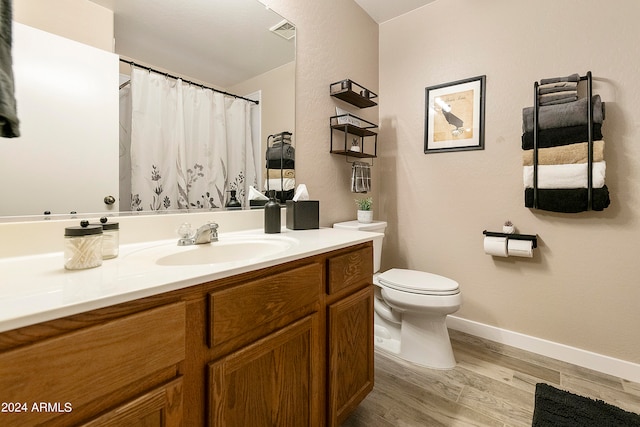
point(492, 385)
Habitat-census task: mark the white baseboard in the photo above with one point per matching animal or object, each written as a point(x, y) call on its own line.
point(587, 359)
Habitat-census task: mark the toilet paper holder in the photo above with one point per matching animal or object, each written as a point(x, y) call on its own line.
point(514, 236)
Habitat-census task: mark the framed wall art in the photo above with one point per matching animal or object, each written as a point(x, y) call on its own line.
point(454, 116)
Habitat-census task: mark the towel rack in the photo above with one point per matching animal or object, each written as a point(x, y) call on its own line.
point(589, 80)
point(281, 195)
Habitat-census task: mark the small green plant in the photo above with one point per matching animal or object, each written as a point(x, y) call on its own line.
point(508, 223)
point(364, 204)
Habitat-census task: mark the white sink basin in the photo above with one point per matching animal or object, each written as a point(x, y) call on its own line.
point(227, 249)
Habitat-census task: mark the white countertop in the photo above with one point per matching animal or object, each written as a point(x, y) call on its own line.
point(37, 288)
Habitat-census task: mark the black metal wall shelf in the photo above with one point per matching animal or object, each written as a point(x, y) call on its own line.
point(344, 123)
point(353, 93)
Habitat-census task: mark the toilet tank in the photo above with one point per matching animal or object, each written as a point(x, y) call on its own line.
point(376, 227)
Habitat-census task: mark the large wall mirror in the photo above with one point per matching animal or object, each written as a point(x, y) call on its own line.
point(236, 46)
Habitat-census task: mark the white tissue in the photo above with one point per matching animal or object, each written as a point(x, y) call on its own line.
point(256, 195)
point(495, 246)
point(523, 248)
point(301, 193)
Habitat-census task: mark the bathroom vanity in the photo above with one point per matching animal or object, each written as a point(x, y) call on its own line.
point(285, 340)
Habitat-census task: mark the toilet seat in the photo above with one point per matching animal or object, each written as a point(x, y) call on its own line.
point(418, 282)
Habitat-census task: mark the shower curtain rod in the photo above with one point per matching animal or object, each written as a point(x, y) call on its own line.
point(186, 81)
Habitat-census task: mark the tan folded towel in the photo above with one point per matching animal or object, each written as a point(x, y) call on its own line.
point(286, 173)
point(565, 154)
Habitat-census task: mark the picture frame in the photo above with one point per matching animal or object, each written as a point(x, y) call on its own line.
point(454, 116)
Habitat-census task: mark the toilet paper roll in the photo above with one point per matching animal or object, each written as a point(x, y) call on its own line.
point(495, 246)
point(523, 248)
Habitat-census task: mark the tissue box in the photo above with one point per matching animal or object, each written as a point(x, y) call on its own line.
point(303, 214)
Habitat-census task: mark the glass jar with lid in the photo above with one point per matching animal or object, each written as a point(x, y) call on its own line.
point(82, 246)
point(110, 238)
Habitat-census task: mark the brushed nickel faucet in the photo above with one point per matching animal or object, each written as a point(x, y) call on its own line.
point(206, 233)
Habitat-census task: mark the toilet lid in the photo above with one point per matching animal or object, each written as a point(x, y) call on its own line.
point(418, 282)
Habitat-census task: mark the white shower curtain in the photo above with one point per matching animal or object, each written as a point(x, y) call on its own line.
point(189, 146)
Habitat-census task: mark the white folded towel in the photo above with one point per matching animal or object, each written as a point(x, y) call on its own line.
point(274, 184)
point(565, 176)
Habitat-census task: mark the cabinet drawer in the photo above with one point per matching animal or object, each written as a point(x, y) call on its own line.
point(350, 269)
point(92, 363)
point(245, 312)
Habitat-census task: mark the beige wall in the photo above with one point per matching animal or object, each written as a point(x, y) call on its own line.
point(582, 288)
point(277, 90)
point(335, 39)
point(278, 93)
point(78, 20)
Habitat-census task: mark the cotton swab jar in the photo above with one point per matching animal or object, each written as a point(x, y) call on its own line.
point(83, 246)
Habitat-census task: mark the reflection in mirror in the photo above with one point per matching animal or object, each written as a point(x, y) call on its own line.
point(69, 154)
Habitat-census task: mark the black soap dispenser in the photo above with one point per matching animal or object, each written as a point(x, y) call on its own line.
point(233, 203)
point(272, 214)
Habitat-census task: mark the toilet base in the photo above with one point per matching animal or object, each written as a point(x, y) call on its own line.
point(383, 340)
point(424, 340)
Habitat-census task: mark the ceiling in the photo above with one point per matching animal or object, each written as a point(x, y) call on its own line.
point(384, 10)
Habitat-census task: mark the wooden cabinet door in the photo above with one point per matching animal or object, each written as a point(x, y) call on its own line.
point(272, 382)
point(161, 407)
point(92, 369)
point(350, 353)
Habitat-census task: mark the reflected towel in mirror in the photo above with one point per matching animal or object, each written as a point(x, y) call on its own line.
point(281, 173)
point(276, 184)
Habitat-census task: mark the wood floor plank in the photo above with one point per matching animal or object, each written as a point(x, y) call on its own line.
point(511, 363)
point(631, 387)
point(502, 403)
point(484, 368)
point(420, 406)
point(613, 396)
point(492, 385)
point(528, 383)
point(447, 384)
point(365, 415)
point(526, 356)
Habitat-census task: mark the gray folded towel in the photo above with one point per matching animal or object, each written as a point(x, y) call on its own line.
point(572, 78)
point(562, 115)
point(557, 87)
point(560, 100)
point(281, 151)
point(9, 124)
point(557, 97)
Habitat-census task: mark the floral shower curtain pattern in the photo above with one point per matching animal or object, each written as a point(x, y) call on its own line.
point(189, 145)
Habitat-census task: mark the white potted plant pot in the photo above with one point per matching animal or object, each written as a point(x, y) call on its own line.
point(365, 217)
point(365, 214)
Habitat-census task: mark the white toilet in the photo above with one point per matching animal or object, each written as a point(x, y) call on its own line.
point(411, 308)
